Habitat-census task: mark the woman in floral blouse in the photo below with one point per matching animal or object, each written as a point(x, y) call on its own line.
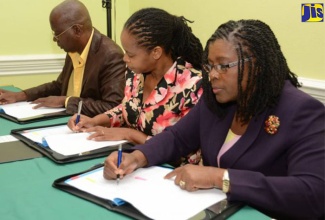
point(163, 80)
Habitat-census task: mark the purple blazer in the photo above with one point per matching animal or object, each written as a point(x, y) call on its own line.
point(281, 175)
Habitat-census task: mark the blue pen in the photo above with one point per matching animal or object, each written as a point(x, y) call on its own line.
point(119, 160)
point(79, 111)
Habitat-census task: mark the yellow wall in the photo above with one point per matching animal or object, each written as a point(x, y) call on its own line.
point(25, 25)
point(303, 44)
point(25, 28)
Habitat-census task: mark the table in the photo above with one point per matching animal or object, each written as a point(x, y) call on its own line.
point(26, 190)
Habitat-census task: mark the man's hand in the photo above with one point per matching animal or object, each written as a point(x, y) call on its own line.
point(51, 101)
point(7, 97)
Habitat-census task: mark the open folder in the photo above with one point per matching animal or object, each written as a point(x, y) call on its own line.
point(23, 112)
point(62, 145)
point(145, 194)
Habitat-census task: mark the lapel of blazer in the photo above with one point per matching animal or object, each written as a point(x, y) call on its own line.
point(216, 137)
point(94, 47)
point(66, 74)
point(244, 143)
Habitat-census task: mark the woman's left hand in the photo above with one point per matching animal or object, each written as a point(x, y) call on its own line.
point(193, 177)
point(107, 134)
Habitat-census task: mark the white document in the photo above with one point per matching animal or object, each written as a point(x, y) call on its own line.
point(66, 142)
point(25, 111)
point(7, 138)
point(148, 191)
point(77, 143)
point(38, 134)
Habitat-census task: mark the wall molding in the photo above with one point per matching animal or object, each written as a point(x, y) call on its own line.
point(49, 63)
point(313, 87)
point(31, 64)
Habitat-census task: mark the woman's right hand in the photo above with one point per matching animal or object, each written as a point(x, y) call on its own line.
point(84, 122)
point(130, 162)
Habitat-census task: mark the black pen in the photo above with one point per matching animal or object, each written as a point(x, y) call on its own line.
point(119, 160)
point(79, 111)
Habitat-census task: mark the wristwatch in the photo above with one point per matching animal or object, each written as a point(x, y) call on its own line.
point(225, 182)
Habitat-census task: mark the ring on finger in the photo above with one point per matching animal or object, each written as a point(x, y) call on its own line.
point(182, 184)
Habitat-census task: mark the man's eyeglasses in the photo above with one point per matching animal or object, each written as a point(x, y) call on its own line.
point(222, 68)
point(56, 37)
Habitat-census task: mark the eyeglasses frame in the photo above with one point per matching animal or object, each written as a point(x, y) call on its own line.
point(56, 37)
point(218, 67)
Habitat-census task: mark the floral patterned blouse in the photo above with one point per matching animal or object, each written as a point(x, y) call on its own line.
point(176, 93)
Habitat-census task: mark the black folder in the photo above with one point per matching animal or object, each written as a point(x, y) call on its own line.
point(59, 158)
point(35, 118)
point(219, 211)
point(16, 150)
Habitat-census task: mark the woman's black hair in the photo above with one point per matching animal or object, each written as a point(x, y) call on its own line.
point(155, 27)
point(268, 68)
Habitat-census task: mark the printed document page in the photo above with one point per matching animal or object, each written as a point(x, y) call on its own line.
point(23, 110)
point(148, 191)
point(66, 142)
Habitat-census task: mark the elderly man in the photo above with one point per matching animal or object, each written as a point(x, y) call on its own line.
point(94, 70)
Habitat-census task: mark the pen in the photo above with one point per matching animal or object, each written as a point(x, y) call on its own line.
point(79, 111)
point(119, 160)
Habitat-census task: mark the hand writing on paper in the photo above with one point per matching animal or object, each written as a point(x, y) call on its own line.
point(194, 177)
point(84, 123)
point(51, 101)
point(130, 162)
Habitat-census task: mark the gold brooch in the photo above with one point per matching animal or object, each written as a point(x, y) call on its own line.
point(272, 124)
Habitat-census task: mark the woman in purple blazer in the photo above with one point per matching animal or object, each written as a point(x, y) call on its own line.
point(262, 139)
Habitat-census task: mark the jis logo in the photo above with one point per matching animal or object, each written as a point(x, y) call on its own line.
point(312, 12)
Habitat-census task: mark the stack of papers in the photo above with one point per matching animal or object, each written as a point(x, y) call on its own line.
point(24, 110)
point(66, 142)
point(11, 149)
